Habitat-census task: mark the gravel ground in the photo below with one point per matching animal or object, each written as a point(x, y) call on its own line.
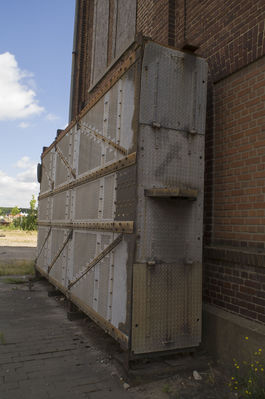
point(18, 238)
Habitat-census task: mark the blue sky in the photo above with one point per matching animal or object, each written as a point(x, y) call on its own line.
point(36, 40)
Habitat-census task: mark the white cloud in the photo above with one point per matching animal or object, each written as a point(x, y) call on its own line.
point(18, 190)
point(24, 125)
point(24, 163)
point(17, 97)
point(52, 117)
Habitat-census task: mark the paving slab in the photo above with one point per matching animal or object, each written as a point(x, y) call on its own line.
point(44, 355)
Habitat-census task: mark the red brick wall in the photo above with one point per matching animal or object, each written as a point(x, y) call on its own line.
point(83, 55)
point(235, 281)
point(239, 158)
point(153, 19)
point(231, 36)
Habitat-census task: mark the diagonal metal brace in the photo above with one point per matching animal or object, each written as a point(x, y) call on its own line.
point(66, 163)
point(69, 237)
point(94, 132)
point(51, 182)
point(95, 261)
point(46, 239)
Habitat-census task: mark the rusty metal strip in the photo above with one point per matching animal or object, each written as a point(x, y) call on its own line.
point(96, 260)
point(66, 163)
point(114, 167)
point(100, 136)
point(46, 239)
point(70, 235)
point(132, 57)
point(116, 227)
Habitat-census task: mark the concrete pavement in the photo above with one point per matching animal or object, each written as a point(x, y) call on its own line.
point(44, 355)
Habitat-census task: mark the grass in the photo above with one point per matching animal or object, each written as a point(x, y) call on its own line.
point(2, 338)
point(17, 268)
point(12, 280)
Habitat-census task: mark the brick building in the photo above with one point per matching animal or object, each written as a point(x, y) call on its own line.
point(231, 36)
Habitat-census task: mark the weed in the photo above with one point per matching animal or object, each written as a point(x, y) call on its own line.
point(17, 268)
point(14, 281)
point(2, 338)
point(166, 388)
point(248, 377)
point(211, 375)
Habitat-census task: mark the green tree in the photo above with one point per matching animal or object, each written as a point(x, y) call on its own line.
point(29, 222)
point(15, 211)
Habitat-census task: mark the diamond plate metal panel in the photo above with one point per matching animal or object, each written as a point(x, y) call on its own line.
point(47, 173)
point(169, 95)
point(126, 194)
point(90, 153)
point(169, 229)
point(65, 147)
point(58, 271)
point(61, 204)
point(44, 209)
point(43, 238)
point(173, 89)
point(109, 191)
point(87, 201)
point(84, 249)
point(166, 307)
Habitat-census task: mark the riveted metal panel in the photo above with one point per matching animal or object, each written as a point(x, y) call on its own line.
point(109, 209)
point(89, 153)
point(58, 271)
point(44, 209)
point(47, 173)
point(173, 89)
point(61, 204)
point(169, 229)
point(126, 194)
point(87, 201)
point(108, 202)
point(166, 313)
point(43, 238)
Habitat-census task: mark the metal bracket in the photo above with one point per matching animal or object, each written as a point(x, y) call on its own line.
point(95, 261)
point(70, 235)
point(178, 192)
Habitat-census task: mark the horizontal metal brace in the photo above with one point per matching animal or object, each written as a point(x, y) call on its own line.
point(116, 227)
point(100, 136)
point(70, 235)
point(66, 163)
point(113, 167)
point(177, 192)
point(96, 260)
